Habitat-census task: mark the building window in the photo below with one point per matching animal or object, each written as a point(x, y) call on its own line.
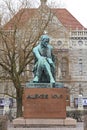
point(64, 67)
point(73, 43)
point(80, 42)
point(59, 43)
point(86, 43)
point(80, 67)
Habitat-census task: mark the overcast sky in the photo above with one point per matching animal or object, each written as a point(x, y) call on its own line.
point(78, 8)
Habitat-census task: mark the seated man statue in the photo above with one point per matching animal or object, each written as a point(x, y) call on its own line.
point(44, 68)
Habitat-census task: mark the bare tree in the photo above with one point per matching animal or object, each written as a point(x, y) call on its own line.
point(17, 43)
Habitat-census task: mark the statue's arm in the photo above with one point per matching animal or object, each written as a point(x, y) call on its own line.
point(36, 53)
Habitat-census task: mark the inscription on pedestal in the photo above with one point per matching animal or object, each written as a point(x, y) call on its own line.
point(44, 103)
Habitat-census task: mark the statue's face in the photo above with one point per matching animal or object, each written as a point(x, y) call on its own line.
point(44, 41)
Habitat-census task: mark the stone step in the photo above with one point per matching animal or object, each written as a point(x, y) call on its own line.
point(21, 122)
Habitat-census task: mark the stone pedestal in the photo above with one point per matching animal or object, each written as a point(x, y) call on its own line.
point(44, 103)
point(44, 107)
point(21, 122)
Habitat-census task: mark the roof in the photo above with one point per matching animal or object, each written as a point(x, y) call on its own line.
point(67, 19)
point(22, 16)
point(63, 15)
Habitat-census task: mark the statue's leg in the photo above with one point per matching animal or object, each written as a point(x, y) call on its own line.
point(43, 65)
point(38, 72)
point(48, 71)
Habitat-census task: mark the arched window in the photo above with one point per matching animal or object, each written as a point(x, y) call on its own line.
point(80, 66)
point(64, 67)
point(59, 43)
point(80, 42)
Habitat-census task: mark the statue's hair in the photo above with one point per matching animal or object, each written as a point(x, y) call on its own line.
point(45, 37)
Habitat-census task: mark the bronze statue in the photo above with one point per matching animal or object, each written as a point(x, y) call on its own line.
point(44, 67)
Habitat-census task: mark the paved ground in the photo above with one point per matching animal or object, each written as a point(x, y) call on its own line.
point(79, 127)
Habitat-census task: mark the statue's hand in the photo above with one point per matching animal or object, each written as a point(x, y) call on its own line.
point(42, 58)
point(50, 62)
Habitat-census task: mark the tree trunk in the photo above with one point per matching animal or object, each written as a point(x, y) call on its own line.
point(19, 103)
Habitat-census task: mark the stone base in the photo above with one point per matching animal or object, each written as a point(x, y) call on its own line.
point(21, 122)
point(44, 103)
point(70, 122)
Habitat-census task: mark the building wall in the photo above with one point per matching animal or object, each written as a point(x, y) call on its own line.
point(78, 63)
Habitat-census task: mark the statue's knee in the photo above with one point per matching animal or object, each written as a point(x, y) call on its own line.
point(40, 61)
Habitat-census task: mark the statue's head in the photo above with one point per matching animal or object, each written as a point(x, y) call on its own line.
point(44, 40)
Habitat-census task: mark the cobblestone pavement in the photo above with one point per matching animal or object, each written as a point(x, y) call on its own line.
point(80, 126)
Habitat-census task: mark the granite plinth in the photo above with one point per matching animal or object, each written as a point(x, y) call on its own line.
point(45, 103)
point(21, 122)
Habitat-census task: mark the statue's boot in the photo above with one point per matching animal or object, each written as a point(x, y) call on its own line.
point(36, 79)
point(52, 80)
